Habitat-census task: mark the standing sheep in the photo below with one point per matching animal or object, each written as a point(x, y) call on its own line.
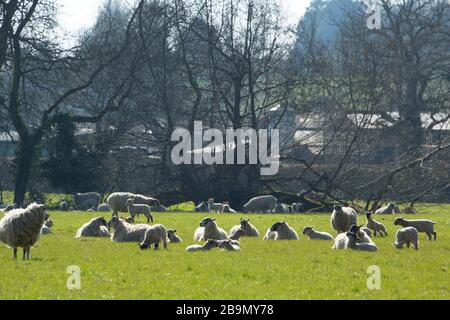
point(375, 225)
point(97, 227)
point(125, 232)
point(153, 236)
point(173, 237)
point(208, 245)
point(407, 236)
point(209, 230)
point(249, 229)
point(86, 201)
point(343, 218)
point(137, 209)
point(426, 226)
point(215, 207)
point(262, 204)
point(283, 231)
point(118, 201)
point(227, 208)
point(316, 235)
point(22, 228)
point(389, 209)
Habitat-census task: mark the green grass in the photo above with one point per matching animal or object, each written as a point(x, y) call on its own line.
point(262, 270)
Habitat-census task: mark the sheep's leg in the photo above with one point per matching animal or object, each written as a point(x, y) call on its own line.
point(156, 246)
point(408, 244)
point(429, 236)
point(15, 253)
point(164, 243)
point(434, 235)
point(374, 233)
point(24, 257)
point(28, 253)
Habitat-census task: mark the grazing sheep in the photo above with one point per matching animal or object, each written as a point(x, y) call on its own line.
point(215, 207)
point(126, 232)
point(86, 201)
point(22, 228)
point(316, 235)
point(297, 207)
point(46, 227)
point(237, 234)
point(202, 207)
point(153, 236)
point(249, 229)
point(104, 207)
point(97, 227)
point(407, 236)
point(137, 209)
point(375, 225)
point(281, 208)
point(409, 210)
point(261, 204)
point(229, 245)
point(354, 245)
point(389, 209)
point(173, 237)
point(227, 208)
point(118, 201)
point(341, 240)
point(208, 245)
point(426, 226)
point(209, 230)
point(343, 218)
point(63, 206)
point(283, 231)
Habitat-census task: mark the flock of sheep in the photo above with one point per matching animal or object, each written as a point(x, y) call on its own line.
point(23, 227)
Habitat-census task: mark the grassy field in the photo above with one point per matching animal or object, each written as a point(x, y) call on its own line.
point(262, 270)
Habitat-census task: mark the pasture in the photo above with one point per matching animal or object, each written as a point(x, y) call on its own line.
point(262, 270)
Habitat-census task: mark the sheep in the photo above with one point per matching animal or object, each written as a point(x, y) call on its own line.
point(316, 235)
point(281, 208)
point(22, 228)
point(173, 238)
point(160, 208)
point(125, 232)
point(407, 236)
point(249, 229)
point(297, 207)
point(261, 204)
point(209, 230)
point(343, 218)
point(237, 234)
point(228, 245)
point(63, 206)
point(354, 245)
point(227, 208)
point(367, 231)
point(118, 201)
point(137, 209)
point(426, 226)
point(341, 240)
point(202, 207)
point(208, 245)
point(104, 207)
point(46, 227)
point(375, 225)
point(96, 227)
point(215, 207)
point(85, 201)
point(389, 209)
point(409, 210)
point(153, 236)
point(270, 235)
point(283, 231)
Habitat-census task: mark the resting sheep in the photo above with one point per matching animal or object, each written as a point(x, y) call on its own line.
point(208, 245)
point(97, 227)
point(343, 218)
point(283, 231)
point(341, 240)
point(209, 230)
point(261, 204)
point(137, 209)
point(389, 209)
point(237, 234)
point(126, 232)
point(249, 229)
point(118, 201)
point(281, 208)
point(316, 235)
point(407, 236)
point(375, 225)
point(103, 208)
point(353, 244)
point(153, 236)
point(426, 226)
point(229, 245)
point(86, 201)
point(173, 237)
point(297, 207)
point(22, 228)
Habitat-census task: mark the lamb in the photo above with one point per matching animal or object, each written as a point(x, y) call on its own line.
point(283, 231)
point(426, 226)
point(208, 245)
point(137, 209)
point(63, 206)
point(389, 209)
point(227, 208)
point(407, 236)
point(316, 235)
point(297, 207)
point(209, 230)
point(237, 234)
point(202, 207)
point(125, 232)
point(367, 231)
point(343, 218)
point(46, 227)
point(261, 204)
point(354, 245)
point(22, 228)
point(215, 207)
point(104, 207)
point(97, 227)
point(229, 245)
point(341, 240)
point(375, 225)
point(118, 201)
point(249, 229)
point(153, 236)
point(173, 238)
point(85, 201)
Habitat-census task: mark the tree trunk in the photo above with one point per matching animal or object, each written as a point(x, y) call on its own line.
point(24, 162)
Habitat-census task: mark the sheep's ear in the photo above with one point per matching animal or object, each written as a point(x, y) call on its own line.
point(174, 231)
point(213, 219)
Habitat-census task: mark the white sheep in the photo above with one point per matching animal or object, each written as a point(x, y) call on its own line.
point(250, 230)
point(270, 235)
point(297, 207)
point(137, 209)
point(389, 209)
point(237, 234)
point(283, 231)
point(227, 208)
point(262, 204)
point(22, 228)
point(367, 231)
point(208, 229)
point(341, 240)
point(126, 232)
point(96, 227)
point(104, 207)
point(202, 207)
point(343, 218)
point(375, 225)
point(229, 245)
point(422, 225)
point(407, 236)
point(316, 235)
point(63, 206)
point(173, 237)
point(281, 208)
point(354, 245)
point(86, 201)
point(153, 236)
point(117, 201)
point(208, 245)
point(215, 207)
